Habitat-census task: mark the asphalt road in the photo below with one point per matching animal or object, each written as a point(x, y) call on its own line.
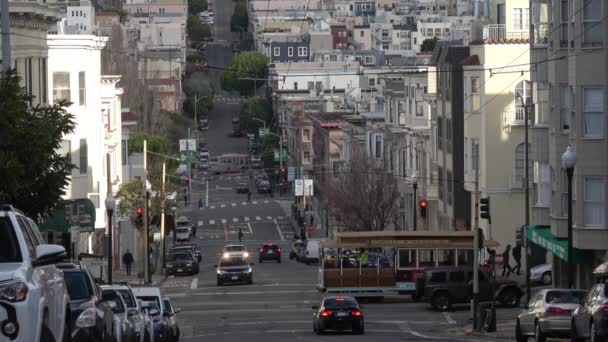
point(219, 52)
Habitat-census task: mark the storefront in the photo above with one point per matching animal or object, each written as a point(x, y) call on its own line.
point(71, 226)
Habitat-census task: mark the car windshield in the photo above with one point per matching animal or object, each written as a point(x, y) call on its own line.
point(78, 284)
point(128, 297)
point(9, 246)
point(179, 257)
point(152, 299)
point(339, 303)
point(113, 301)
point(235, 261)
point(182, 230)
point(565, 297)
point(273, 247)
point(168, 305)
point(234, 248)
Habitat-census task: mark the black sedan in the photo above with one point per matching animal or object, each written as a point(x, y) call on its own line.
point(590, 320)
point(92, 319)
point(338, 313)
point(182, 262)
point(270, 251)
point(242, 188)
point(234, 269)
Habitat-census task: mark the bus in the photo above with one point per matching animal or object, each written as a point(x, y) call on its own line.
point(395, 260)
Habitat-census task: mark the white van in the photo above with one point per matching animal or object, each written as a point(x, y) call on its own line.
point(312, 250)
point(149, 294)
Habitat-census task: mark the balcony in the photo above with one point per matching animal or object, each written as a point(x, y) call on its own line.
point(500, 32)
point(515, 117)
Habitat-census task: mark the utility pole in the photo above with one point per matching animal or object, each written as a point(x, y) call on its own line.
point(195, 117)
point(162, 215)
point(6, 35)
point(527, 200)
point(109, 216)
point(146, 232)
point(206, 192)
point(475, 244)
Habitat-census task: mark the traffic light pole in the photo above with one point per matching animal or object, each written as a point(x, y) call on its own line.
point(475, 249)
point(415, 186)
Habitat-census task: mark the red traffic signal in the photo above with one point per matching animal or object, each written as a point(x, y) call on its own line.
point(423, 204)
point(140, 211)
point(283, 170)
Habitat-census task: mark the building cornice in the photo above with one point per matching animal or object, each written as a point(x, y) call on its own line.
point(75, 41)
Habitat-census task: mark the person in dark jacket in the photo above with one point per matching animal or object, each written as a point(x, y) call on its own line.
point(127, 259)
point(517, 257)
point(506, 268)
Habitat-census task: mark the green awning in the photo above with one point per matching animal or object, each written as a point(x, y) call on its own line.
point(75, 213)
point(542, 237)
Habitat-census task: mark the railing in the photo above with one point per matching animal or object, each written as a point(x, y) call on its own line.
point(499, 31)
point(517, 182)
point(515, 117)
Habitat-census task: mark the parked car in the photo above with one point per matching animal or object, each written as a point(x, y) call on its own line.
point(182, 262)
point(548, 314)
point(134, 313)
point(191, 247)
point(542, 274)
point(171, 315)
point(338, 313)
point(31, 286)
point(270, 251)
point(92, 319)
point(242, 188)
point(590, 320)
point(184, 222)
point(123, 327)
point(183, 234)
point(159, 322)
point(234, 269)
point(444, 286)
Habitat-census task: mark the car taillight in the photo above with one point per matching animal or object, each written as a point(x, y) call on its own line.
point(325, 313)
point(280, 250)
point(604, 307)
point(261, 249)
point(558, 311)
point(357, 313)
point(417, 274)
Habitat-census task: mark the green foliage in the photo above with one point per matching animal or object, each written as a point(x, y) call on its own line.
point(255, 107)
point(130, 196)
point(428, 45)
point(123, 13)
point(197, 6)
point(197, 30)
point(33, 173)
point(200, 86)
point(239, 17)
point(245, 65)
point(156, 144)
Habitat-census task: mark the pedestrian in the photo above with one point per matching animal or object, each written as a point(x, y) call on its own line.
point(127, 259)
point(303, 234)
point(200, 203)
point(312, 219)
point(517, 257)
point(363, 258)
point(492, 261)
point(240, 235)
point(506, 268)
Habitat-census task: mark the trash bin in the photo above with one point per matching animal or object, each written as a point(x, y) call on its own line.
point(486, 316)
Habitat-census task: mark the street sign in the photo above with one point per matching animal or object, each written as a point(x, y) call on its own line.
point(277, 150)
point(187, 150)
point(75, 233)
point(308, 188)
point(299, 187)
point(291, 173)
point(262, 132)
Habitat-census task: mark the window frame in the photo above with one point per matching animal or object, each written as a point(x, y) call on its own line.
point(597, 23)
point(599, 112)
point(600, 204)
point(276, 51)
point(83, 158)
point(82, 89)
point(290, 51)
point(68, 90)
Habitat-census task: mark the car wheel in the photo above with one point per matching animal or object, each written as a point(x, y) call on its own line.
point(279, 260)
point(573, 333)
point(46, 335)
point(291, 256)
point(546, 278)
point(360, 329)
point(509, 297)
point(593, 336)
point(519, 337)
point(441, 301)
point(219, 283)
point(261, 260)
point(539, 336)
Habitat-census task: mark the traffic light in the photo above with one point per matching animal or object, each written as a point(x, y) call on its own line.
point(485, 209)
point(139, 218)
point(423, 205)
point(480, 238)
point(283, 174)
point(519, 237)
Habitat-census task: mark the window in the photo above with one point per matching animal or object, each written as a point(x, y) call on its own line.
point(594, 201)
point(369, 59)
point(290, 51)
point(407, 257)
point(592, 22)
point(61, 86)
point(362, 33)
point(378, 146)
point(306, 159)
point(519, 164)
point(82, 93)
point(276, 51)
point(306, 135)
point(319, 86)
point(84, 162)
point(474, 101)
point(565, 108)
point(124, 152)
point(372, 82)
point(563, 35)
point(333, 58)
point(457, 276)
point(440, 133)
point(295, 85)
point(474, 154)
point(302, 51)
point(523, 91)
point(542, 178)
point(426, 258)
point(593, 114)
point(438, 277)
point(311, 85)
point(520, 19)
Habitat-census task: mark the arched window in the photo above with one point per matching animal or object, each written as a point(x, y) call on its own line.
point(519, 165)
point(523, 89)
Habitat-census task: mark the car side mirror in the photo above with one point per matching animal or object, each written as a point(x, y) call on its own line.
point(177, 310)
point(315, 307)
point(251, 264)
point(48, 254)
point(215, 266)
point(132, 312)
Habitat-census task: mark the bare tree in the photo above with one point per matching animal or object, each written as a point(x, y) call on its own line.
point(363, 195)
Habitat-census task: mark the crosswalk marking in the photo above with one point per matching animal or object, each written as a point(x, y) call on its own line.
point(266, 201)
point(234, 204)
point(223, 206)
point(212, 207)
point(211, 221)
point(269, 217)
point(236, 219)
point(224, 221)
point(200, 223)
point(254, 202)
point(257, 218)
point(244, 203)
point(246, 219)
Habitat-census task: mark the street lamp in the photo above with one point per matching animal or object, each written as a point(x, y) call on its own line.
point(260, 120)
point(173, 210)
point(568, 163)
point(110, 203)
point(415, 202)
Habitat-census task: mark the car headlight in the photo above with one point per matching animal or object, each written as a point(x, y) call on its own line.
point(189, 264)
point(87, 318)
point(226, 255)
point(13, 291)
point(220, 272)
point(169, 265)
point(246, 255)
point(249, 270)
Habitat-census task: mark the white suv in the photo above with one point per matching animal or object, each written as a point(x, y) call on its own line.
point(34, 302)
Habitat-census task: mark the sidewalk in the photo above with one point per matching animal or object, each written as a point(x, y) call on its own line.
point(136, 278)
point(505, 330)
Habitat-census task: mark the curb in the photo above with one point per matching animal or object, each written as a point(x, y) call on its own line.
point(502, 331)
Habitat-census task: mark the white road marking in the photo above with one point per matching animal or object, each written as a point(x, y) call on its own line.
point(254, 202)
point(200, 223)
point(224, 221)
point(279, 217)
point(249, 227)
point(211, 221)
point(223, 206)
point(406, 328)
point(194, 283)
point(266, 201)
point(212, 207)
point(235, 219)
point(243, 203)
point(448, 318)
point(269, 217)
point(257, 218)
point(233, 204)
point(279, 230)
point(246, 218)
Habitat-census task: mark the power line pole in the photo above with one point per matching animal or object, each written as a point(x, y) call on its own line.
point(6, 35)
point(527, 194)
point(162, 215)
point(146, 251)
point(475, 245)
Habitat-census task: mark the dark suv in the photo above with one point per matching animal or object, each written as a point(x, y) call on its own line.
point(444, 286)
point(182, 262)
point(270, 252)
